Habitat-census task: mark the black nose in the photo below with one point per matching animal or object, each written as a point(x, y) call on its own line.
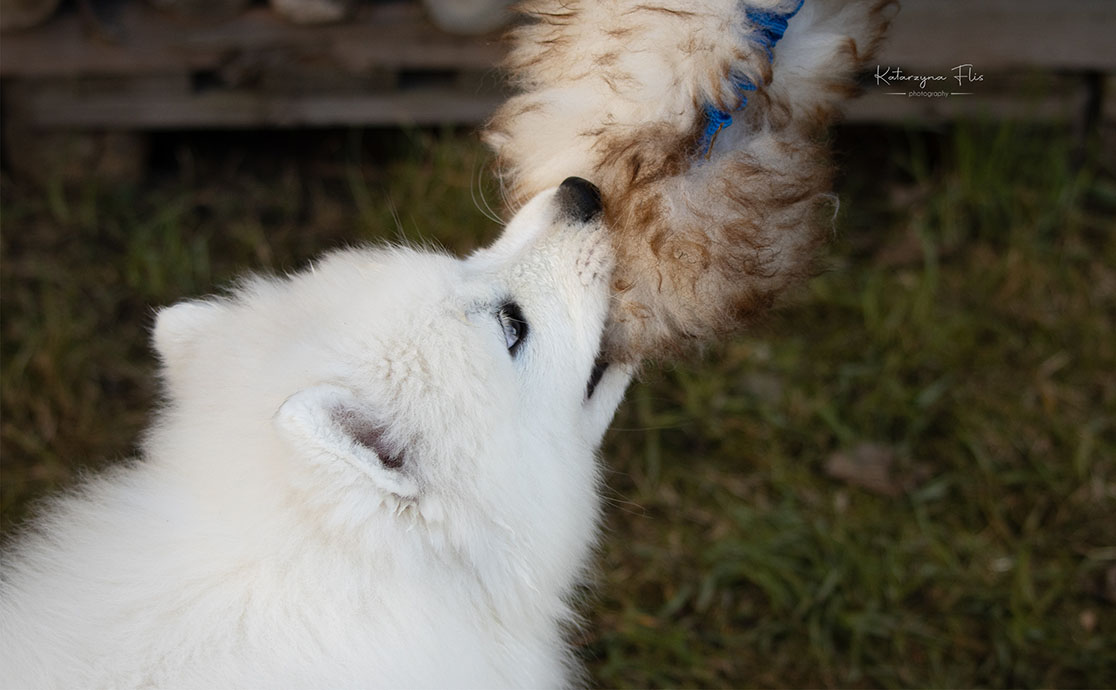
point(579, 199)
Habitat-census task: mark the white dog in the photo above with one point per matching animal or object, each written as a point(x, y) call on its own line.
point(377, 472)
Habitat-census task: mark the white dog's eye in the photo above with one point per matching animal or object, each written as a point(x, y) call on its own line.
point(513, 324)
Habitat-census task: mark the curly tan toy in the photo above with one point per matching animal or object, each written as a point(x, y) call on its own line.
point(711, 218)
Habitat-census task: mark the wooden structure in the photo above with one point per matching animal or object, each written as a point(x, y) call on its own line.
point(387, 65)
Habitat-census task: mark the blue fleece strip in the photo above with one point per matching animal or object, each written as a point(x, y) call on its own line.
point(770, 27)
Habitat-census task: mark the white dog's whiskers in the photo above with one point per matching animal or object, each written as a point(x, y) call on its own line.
point(476, 193)
point(617, 500)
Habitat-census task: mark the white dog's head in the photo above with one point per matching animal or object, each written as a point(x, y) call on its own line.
point(393, 391)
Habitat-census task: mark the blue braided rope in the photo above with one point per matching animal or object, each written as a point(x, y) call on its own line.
point(770, 27)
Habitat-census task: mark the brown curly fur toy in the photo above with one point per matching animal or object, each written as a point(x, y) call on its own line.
point(707, 233)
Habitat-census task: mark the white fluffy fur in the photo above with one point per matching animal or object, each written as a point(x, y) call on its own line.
point(267, 538)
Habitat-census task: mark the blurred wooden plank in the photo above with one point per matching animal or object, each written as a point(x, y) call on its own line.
point(1037, 96)
point(1000, 35)
point(147, 103)
point(1108, 106)
point(169, 101)
point(994, 35)
point(382, 35)
point(938, 110)
point(174, 101)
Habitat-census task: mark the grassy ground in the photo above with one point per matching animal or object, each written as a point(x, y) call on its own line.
point(907, 477)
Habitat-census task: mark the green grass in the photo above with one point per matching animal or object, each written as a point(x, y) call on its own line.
point(961, 347)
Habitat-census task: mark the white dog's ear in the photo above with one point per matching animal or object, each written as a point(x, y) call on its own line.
point(329, 425)
point(178, 328)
